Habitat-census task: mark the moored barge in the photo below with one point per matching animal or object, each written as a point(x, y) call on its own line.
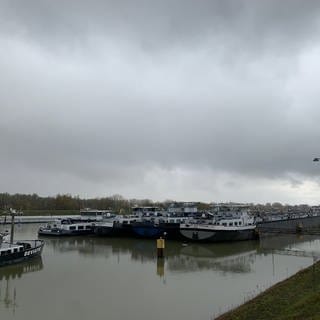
point(67, 227)
point(235, 226)
point(19, 251)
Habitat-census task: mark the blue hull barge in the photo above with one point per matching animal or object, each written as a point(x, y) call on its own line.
point(150, 230)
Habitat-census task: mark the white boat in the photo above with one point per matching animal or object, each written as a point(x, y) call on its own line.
point(68, 227)
point(235, 226)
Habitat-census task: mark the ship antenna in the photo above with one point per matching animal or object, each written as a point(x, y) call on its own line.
point(12, 226)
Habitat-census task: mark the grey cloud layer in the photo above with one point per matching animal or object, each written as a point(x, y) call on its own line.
point(112, 90)
point(161, 23)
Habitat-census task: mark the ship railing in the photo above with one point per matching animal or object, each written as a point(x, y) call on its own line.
point(34, 243)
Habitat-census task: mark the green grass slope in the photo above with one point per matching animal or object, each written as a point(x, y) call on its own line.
point(295, 298)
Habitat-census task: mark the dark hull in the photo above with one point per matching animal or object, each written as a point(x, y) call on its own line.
point(27, 254)
point(118, 230)
point(203, 235)
point(103, 231)
point(169, 231)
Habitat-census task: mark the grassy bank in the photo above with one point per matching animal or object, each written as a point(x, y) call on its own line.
point(295, 298)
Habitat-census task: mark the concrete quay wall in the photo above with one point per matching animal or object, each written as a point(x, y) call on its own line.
point(34, 219)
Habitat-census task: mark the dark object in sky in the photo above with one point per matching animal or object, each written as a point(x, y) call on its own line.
point(316, 159)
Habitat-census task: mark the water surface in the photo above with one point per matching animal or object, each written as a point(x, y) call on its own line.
point(101, 278)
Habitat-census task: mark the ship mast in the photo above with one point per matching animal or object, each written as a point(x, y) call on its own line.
point(12, 226)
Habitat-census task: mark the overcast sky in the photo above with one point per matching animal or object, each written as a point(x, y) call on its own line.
point(175, 99)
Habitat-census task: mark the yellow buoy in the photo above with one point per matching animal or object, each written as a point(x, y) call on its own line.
point(160, 247)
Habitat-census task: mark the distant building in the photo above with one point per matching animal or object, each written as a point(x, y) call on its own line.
point(146, 211)
point(182, 208)
point(95, 212)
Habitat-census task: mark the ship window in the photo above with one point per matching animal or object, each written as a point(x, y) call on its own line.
point(88, 227)
point(230, 224)
point(3, 253)
point(236, 223)
point(15, 250)
point(224, 224)
point(72, 228)
point(240, 223)
point(80, 227)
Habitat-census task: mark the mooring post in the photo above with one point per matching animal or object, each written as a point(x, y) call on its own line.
point(160, 247)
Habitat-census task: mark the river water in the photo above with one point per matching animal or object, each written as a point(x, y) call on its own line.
point(101, 278)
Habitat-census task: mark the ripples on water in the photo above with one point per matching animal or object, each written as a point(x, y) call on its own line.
point(101, 278)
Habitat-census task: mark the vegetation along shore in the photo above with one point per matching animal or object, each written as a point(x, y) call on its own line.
point(66, 204)
point(295, 298)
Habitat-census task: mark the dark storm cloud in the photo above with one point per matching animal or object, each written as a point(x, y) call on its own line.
point(142, 93)
point(162, 23)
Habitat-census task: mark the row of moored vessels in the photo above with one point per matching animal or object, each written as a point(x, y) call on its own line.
point(227, 223)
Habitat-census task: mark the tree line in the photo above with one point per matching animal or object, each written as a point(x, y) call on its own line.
point(26, 202)
point(116, 203)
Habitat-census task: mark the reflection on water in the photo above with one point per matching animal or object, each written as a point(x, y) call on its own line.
point(300, 245)
point(238, 257)
point(180, 257)
point(160, 267)
point(8, 292)
point(285, 241)
point(197, 259)
point(18, 270)
point(102, 278)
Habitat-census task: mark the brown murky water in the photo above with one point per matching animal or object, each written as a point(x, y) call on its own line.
point(100, 278)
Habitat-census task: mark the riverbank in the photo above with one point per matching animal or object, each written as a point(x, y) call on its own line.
point(295, 298)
